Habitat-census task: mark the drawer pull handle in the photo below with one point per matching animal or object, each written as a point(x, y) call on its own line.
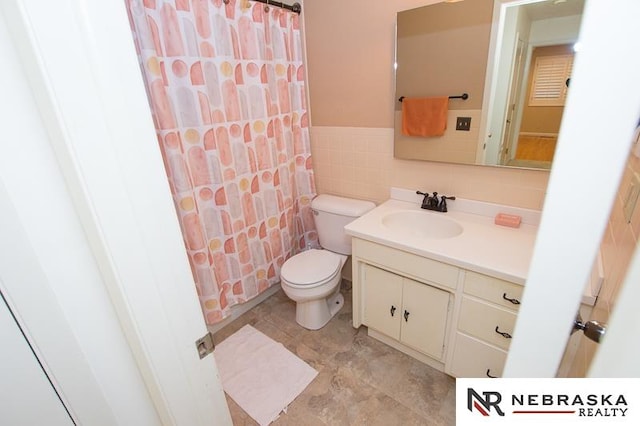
point(503, 334)
point(393, 310)
point(489, 375)
point(406, 316)
point(514, 300)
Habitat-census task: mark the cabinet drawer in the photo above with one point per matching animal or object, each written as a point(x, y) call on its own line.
point(473, 358)
point(493, 290)
point(481, 319)
point(407, 264)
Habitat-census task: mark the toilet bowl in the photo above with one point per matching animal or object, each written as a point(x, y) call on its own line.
point(312, 280)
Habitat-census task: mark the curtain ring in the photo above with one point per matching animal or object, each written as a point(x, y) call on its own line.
point(266, 7)
point(225, 1)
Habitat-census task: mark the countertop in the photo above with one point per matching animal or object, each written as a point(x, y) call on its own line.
point(482, 246)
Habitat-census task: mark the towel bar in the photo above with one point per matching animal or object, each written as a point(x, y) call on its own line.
point(464, 97)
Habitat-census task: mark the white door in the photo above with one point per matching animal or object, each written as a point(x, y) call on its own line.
point(24, 384)
point(600, 117)
point(80, 62)
point(48, 274)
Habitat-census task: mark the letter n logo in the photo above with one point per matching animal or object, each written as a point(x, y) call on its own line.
point(484, 404)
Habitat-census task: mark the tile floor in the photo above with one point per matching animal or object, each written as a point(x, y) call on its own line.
point(360, 381)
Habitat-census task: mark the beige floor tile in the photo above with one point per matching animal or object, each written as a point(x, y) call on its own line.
point(360, 381)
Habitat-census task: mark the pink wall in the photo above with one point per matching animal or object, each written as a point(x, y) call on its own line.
point(350, 50)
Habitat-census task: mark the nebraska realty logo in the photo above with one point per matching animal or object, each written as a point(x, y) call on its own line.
point(582, 405)
point(552, 401)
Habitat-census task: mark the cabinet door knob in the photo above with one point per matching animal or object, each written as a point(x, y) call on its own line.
point(502, 333)
point(393, 310)
point(406, 316)
point(514, 300)
point(488, 373)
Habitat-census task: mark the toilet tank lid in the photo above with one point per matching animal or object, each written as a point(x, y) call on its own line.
point(341, 205)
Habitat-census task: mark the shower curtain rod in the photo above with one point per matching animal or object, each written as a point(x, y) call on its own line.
point(296, 7)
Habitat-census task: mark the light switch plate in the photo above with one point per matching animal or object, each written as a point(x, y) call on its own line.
point(631, 200)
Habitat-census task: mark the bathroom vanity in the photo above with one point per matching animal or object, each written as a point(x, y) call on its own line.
point(444, 288)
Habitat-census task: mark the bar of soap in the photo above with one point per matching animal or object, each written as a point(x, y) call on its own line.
point(510, 220)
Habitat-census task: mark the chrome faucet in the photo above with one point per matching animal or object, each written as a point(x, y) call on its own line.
point(431, 202)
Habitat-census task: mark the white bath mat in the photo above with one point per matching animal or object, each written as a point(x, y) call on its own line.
point(259, 374)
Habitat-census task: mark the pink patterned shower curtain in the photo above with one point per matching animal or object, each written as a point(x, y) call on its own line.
point(227, 92)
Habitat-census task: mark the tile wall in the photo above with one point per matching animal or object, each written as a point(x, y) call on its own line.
point(358, 162)
point(618, 246)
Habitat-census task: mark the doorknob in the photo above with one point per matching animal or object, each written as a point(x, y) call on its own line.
point(591, 329)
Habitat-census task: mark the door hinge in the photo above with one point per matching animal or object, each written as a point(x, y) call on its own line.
point(204, 345)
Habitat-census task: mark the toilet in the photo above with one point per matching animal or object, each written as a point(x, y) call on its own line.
point(312, 278)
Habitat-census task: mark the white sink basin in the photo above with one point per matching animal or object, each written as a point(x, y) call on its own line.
point(422, 224)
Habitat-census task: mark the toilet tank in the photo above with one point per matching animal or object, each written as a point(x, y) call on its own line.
point(331, 214)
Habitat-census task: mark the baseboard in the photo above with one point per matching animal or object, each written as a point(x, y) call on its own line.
point(238, 310)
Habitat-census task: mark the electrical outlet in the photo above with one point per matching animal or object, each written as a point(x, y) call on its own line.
point(463, 123)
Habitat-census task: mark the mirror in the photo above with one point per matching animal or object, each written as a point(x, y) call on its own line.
point(495, 51)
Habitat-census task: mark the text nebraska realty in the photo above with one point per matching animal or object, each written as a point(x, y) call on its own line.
point(586, 405)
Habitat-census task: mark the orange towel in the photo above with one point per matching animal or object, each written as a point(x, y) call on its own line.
point(424, 116)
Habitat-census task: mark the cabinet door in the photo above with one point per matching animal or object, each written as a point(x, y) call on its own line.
point(424, 317)
point(382, 301)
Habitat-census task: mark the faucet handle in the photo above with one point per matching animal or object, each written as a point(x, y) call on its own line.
point(443, 202)
point(425, 200)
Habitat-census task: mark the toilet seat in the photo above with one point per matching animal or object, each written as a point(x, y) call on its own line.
point(310, 269)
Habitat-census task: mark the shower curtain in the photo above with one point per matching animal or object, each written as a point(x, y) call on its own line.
point(226, 85)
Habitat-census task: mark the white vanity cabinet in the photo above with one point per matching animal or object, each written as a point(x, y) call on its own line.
point(468, 285)
point(485, 322)
point(457, 320)
point(409, 311)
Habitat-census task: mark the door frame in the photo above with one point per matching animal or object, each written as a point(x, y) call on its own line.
point(87, 83)
point(509, 130)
